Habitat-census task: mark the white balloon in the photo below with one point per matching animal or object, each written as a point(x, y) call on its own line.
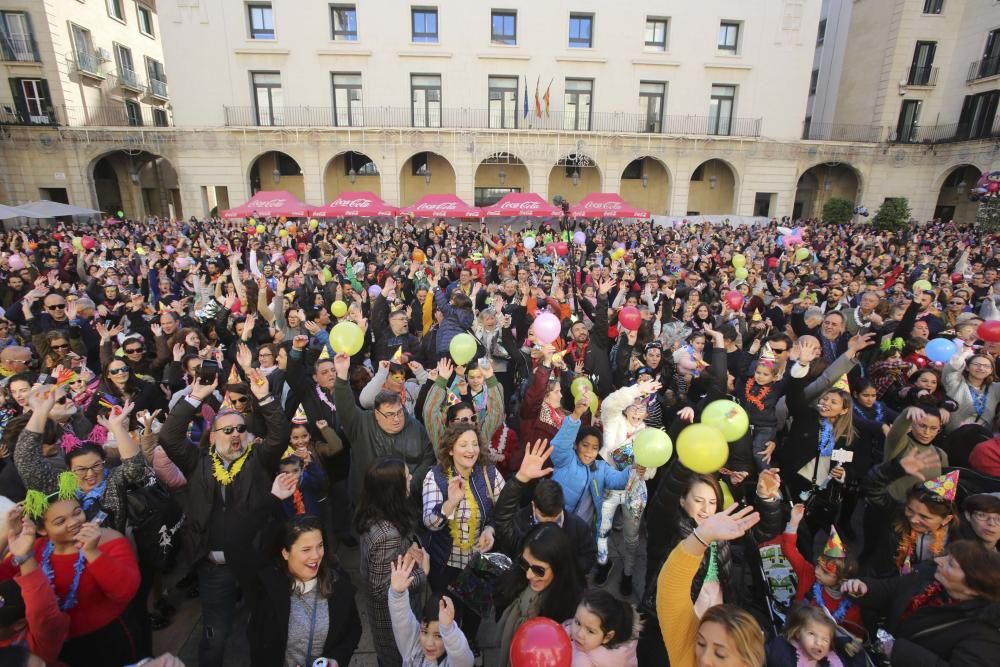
point(784, 230)
point(529, 242)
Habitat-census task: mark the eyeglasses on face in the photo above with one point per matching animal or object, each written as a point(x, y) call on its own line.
point(537, 570)
point(121, 370)
point(239, 400)
point(61, 346)
point(95, 469)
point(398, 414)
point(134, 350)
point(470, 419)
point(56, 306)
point(229, 430)
point(989, 518)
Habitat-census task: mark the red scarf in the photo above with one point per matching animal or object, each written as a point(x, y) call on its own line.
point(573, 348)
point(300, 506)
point(932, 596)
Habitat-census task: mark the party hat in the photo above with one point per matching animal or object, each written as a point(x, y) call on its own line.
point(325, 354)
point(300, 418)
point(756, 315)
point(234, 377)
point(767, 356)
point(397, 357)
point(944, 486)
point(841, 384)
point(834, 546)
point(66, 376)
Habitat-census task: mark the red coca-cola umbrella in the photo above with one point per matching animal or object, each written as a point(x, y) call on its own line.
point(359, 204)
point(270, 203)
point(441, 206)
point(606, 205)
point(521, 204)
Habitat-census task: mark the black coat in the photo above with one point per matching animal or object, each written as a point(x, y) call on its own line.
point(965, 634)
point(512, 523)
point(267, 631)
point(248, 497)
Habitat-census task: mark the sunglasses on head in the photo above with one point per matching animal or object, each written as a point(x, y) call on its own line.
point(537, 570)
point(229, 430)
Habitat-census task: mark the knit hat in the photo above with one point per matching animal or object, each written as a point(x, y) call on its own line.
point(944, 486)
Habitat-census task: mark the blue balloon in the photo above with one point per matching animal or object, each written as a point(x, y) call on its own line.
point(940, 350)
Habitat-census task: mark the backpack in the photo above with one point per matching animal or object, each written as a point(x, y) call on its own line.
point(154, 518)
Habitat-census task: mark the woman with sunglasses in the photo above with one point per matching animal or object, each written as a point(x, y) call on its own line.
point(59, 347)
point(544, 582)
point(970, 380)
point(119, 385)
point(459, 494)
point(924, 523)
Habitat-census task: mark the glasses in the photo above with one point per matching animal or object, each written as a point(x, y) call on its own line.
point(239, 400)
point(56, 306)
point(980, 364)
point(64, 346)
point(398, 414)
point(537, 570)
point(989, 518)
point(956, 303)
point(779, 350)
point(229, 430)
point(464, 420)
point(121, 370)
point(134, 350)
point(94, 469)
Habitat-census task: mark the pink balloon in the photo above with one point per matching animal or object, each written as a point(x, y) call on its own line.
point(734, 299)
point(630, 318)
point(547, 328)
point(15, 262)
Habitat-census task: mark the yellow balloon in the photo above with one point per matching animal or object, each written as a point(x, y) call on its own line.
point(261, 229)
point(314, 223)
point(727, 495)
point(702, 449)
point(593, 404)
point(617, 254)
point(252, 222)
point(739, 260)
point(462, 348)
point(283, 233)
point(338, 308)
point(347, 338)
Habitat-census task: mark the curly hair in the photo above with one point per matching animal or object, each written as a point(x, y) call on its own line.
point(451, 435)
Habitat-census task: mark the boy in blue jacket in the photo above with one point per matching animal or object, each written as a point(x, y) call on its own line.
point(581, 473)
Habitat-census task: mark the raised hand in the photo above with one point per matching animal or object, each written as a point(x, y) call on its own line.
point(445, 368)
point(729, 524)
point(41, 399)
point(258, 384)
point(686, 414)
point(300, 342)
point(446, 612)
point(117, 419)
point(401, 575)
point(649, 387)
point(798, 512)
point(342, 364)
point(243, 356)
point(201, 391)
point(284, 485)
point(916, 460)
point(535, 456)
point(769, 483)
point(860, 342)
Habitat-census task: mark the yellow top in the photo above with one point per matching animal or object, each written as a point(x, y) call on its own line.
point(674, 608)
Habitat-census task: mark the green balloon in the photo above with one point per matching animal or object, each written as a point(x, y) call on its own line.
point(579, 384)
point(347, 338)
point(802, 253)
point(652, 447)
point(741, 273)
point(121, 214)
point(462, 348)
point(727, 416)
point(702, 449)
point(547, 238)
point(922, 286)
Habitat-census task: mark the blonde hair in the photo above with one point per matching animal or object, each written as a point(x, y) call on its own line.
point(742, 629)
point(843, 427)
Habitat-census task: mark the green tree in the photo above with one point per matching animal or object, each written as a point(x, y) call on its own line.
point(988, 214)
point(838, 211)
point(893, 215)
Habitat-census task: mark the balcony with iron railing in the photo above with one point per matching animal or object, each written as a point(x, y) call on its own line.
point(88, 64)
point(135, 115)
point(158, 89)
point(915, 134)
point(19, 49)
point(127, 78)
point(981, 69)
point(11, 115)
point(921, 76)
point(483, 119)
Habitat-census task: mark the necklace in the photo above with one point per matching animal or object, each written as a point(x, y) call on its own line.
point(842, 609)
point(46, 564)
point(226, 477)
point(758, 400)
point(455, 525)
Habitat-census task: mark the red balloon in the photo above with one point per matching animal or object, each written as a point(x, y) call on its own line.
point(541, 642)
point(734, 299)
point(222, 249)
point(562, 248)
point(630, 318)
point(88, 242)
point(550, 248)
point(993, 187)
point(772, 262)
point(57, 236)
point(989, 332)
point(290, 255)
point(956, 278)
point(302, 247)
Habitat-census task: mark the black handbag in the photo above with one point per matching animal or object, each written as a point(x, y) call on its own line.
point(823, 503)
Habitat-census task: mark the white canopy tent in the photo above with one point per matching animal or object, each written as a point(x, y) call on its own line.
point(52, 209)
point(7, 212)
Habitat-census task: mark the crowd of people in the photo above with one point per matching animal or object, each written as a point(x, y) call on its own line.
point(181, 419)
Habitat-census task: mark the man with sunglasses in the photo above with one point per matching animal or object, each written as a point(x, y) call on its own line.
point(227, 503)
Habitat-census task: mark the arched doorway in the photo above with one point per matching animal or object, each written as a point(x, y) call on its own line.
point(645, 183)
point(822, 182)
point(953, 201)
point(137, 183)
point(712, 190)
point(351, 172)
point(500, 174)
point(574, 177)
point(425, 173)
point(275, 170)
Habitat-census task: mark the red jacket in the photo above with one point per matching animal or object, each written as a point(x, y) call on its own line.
point(805, 572)
point(47, 627)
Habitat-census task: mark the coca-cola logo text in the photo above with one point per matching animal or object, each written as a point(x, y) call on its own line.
point(354, 203)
